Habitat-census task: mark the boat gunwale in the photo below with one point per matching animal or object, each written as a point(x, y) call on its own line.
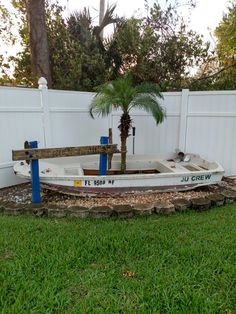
point(219, 170)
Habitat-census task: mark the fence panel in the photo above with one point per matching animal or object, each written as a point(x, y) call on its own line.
point(20, 119)
point(211, 127)
point(199, 122)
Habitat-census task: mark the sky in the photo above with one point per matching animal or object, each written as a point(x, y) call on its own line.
point(204, 17)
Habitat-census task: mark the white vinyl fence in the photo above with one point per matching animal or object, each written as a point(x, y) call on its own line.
point(198, 122)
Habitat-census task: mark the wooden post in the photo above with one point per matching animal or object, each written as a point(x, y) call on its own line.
point(103, 158)
point(133, 133)
point(35, 182)
point(110, 142)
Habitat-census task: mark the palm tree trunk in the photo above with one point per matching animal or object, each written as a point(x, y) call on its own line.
point(101, 15)
point(123, 154)
point(124, 127)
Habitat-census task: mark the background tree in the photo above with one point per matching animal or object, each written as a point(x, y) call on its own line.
point(78, 59)
point(219, 72)
point(40, 60)
point(159, 48)
point(33, 60)
point(122, 94)
point(6, 25)
point(95, 64)
point(226, 50)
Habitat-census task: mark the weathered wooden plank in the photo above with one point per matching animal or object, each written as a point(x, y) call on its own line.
point(43, 153)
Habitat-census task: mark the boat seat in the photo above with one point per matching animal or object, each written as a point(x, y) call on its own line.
point(73, 171)
point(181, 166)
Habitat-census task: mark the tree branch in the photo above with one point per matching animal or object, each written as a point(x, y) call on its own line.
point(216, 73)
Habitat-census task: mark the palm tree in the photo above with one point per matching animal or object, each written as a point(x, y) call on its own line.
point(81, 28)
point(122, 94)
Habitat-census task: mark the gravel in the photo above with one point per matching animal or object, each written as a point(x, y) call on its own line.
point(21, 194)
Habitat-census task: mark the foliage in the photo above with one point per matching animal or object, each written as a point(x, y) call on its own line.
point(226, 49)
point(122, 94)
point(21, 63)
point(226, 35)
point(7, 38)
point(93, 60)
point(186, 261)
point(160, 47)
point(220, 70)
point(76, 53)
point(157, 48)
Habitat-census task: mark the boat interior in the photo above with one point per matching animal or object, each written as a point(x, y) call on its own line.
point(136, 164)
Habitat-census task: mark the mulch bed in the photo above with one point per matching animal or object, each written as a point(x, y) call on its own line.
point(17, 200)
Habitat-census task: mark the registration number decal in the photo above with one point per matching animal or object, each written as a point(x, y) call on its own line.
point(93, 183)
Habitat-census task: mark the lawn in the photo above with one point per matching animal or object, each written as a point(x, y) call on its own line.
point(185, 263)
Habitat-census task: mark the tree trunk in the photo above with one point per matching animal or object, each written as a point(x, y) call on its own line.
point(101, 15)
point(40, 65)
point(123, 154)
point(124, 127)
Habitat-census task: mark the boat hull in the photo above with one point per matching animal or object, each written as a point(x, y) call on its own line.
point(176, 178)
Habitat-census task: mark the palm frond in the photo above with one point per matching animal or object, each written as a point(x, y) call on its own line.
point(122, 94)
point(107, 20)
point(149, 88)
point(117, 94)
point(109, 17)
point(149, 103)
point(102, 102)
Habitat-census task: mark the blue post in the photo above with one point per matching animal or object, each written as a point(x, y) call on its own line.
point(103, 157)
point(35, 182)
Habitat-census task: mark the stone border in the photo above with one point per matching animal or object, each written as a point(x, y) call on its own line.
point(227, 196)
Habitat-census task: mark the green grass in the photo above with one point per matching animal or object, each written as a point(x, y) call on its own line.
point(185, 263)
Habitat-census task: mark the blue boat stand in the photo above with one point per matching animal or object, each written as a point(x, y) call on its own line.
point(34, 165)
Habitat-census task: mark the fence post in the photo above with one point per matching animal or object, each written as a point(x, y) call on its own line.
point(42, 82)
point(183, 120)
point(103, 158)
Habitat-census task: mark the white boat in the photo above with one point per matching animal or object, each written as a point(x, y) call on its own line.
point(165, 172)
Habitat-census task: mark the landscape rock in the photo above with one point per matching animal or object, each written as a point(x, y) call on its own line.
point(143, 209)
point(123, 211)
point(201, 204)
point(181, 204)
point(164, 208)
point(233, 188)
point(56, 211)
point(78, 211)
point(100, 212)
point(13, 209)
point(2, 206)
point(216, 199)
point(230, 196)
point(37, 210)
